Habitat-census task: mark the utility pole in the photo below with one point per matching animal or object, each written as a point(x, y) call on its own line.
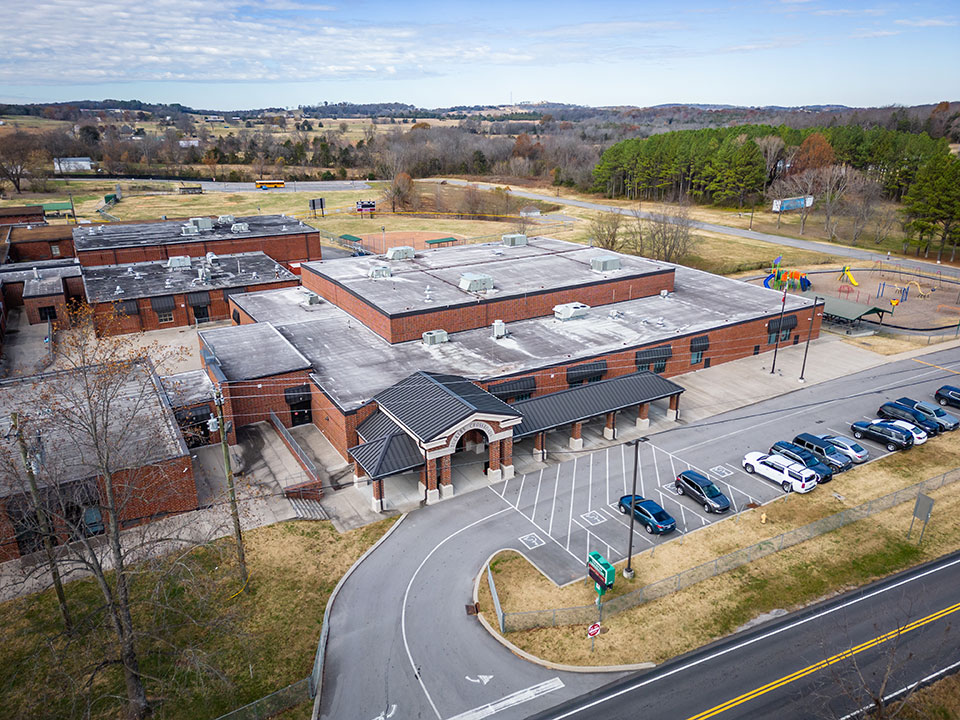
point(628, 572)
point(237, 532)
point(783, 306)
point(44, 524)
point(809, 333)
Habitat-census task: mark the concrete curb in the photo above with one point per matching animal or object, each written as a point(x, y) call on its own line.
point(524, 655)
point(333, 597)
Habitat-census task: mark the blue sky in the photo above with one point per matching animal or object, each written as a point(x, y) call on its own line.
point(235, 54)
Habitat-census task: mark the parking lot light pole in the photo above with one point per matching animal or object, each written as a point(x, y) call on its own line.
point(783, 306)
point(809, 333)
point(628, 570)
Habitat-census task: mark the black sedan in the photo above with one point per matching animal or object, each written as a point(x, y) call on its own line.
point(702, 490)
point(653, 517)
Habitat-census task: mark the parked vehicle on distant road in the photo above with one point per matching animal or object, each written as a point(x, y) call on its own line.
point(943, 419)
point(654, 518)
point(786, 473)
point(702, 490)
point(948, 395)
point(892, 437)
point(919, 436)
point(806, 458)
point(851, 448)
point(896, 411)
point(824, 451)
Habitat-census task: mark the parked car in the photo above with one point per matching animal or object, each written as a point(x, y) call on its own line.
point(896, 411)
point(702, 490)
point(786, 473)
point(826, 452)
point(891, 436)
point(851, 448)
point(919, 436)
point(806, 458)
point(948, 395)
point(943, 419)
point(654, 518)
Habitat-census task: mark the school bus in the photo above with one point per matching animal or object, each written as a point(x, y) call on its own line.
point(265, 184)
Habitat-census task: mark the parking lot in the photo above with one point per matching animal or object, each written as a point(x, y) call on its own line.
point(565, 511)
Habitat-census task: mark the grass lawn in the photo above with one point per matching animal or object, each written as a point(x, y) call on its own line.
point(269, 640)
point(837, 561)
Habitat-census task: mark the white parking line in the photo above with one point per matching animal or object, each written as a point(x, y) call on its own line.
point(741, 471)
point(682, 506)
point(590, 484)
point(523, 479)
point(552, 539)
point(536, 500)
point(573, 487)
point(623, 463)
point(626, 524)
point(606, 457)
point(592, 534)
point(553, 508)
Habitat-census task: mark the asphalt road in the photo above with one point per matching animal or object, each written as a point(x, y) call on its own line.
point(233, 187)
point(805, 665)
point(401, 644)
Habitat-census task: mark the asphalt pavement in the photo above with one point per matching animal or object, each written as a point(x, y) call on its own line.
point(400, 637)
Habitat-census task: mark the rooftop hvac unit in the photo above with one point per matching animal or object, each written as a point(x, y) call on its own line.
point(435, 337)
point(202, 223)
point(313, 299)
point(189, 230)
point(605, 263)
point(212, 258)
point(475, 282)
point(401, 252)
point(569, 311)
point(240, 228)
point(499, 329)
point(379, 271)
point(664, 293)
point(225, 220)
point(178, 261)
point(514, 239)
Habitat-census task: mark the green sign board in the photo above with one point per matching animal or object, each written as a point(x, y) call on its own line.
point(602, 572)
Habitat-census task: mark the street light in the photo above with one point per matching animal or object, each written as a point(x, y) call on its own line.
point(783, 306)
point(628, 570)
point(809, 333)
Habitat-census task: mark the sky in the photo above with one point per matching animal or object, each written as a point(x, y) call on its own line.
point(243, 54)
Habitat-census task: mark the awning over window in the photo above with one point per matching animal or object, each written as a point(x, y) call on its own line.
point(519, 386)
point(127, 307)
point(194, 414)
point(653, 355)
point(227, 292)
point(163, 304)
point(198, 299)
point(701, 343)
point(789, 323)
point(579, 373)
point(297, 395)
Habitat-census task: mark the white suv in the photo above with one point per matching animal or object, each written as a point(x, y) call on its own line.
point(786, 473)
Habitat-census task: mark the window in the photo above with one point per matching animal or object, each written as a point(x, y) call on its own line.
point(55, 250)
point(521, 396)
point(48, 312)
point(165, 316)
point(696, 357)
point(772, 337)
point(784, 334)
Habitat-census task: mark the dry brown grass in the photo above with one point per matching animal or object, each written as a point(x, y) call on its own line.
point(884, 344)
point(797, 575)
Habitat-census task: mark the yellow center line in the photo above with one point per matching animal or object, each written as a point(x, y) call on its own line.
point(938, 367)
point(879, 640)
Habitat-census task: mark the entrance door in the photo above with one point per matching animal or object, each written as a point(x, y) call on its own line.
point(201, 313)
point(300, 413)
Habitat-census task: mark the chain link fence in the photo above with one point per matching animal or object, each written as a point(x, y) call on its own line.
point(585, 614)
point(272, 704)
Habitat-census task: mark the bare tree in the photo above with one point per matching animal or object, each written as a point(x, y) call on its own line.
point(634, 233)
point(772, 148)
point(864, 194)
point(401, 192)
point(669, 233)
point(606, 230)
point(886, 221)
point(833, 182)
point(15, 151)
point(799, 184)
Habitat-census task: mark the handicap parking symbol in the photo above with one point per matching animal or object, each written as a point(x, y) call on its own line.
point(721, 471)
point(593, 517)
point(532, 541)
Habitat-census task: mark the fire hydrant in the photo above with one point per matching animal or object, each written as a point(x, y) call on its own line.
point(763, 518)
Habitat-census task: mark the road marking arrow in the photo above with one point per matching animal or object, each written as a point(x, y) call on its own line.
point(481, 679)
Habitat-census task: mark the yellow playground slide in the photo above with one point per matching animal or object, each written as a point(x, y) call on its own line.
point(846, 273)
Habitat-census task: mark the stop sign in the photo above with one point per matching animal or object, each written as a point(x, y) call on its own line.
point(593, 630)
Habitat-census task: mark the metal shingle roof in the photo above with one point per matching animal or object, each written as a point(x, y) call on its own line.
point(376, 426)
point(391, 454)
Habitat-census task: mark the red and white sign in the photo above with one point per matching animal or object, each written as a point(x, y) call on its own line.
point(593, 630)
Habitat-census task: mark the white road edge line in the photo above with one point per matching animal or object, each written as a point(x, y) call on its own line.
point(406, 594)
point(511, 700)
point(902, 690)
point(751, 641)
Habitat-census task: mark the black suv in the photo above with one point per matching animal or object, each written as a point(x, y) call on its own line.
point(826, 452)
point(884, 433)
point(948, 395)
point(896, 411)
point(804, 457)
point(702, 490)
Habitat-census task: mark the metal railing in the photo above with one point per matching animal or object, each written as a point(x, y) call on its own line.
point(585, 614)
point(272, 704)
point(305, 462)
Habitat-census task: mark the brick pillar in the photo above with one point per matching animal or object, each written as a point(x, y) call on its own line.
point(429, 476)
point(506, 457)
point(446, 479)
point(377, 504)
point(610, 430)
point(493, 461)
point(359, 475)
point(576, 439)
point(674, 412)
point(643, 416)
point(539, 447)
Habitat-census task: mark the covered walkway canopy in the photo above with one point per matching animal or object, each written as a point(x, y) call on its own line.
point(845, 311)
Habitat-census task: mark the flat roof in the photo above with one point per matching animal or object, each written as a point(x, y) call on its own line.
point(15, 210)
point(153, 278)
point(46, 269)
point(24, 233)
point(33, 287)
point(110, 235)
point(291, 303)
point(188, 388)
point(352, 363)
point(247, 352)
point(430, 281)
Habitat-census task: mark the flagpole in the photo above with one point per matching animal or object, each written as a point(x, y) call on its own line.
point(783, 306)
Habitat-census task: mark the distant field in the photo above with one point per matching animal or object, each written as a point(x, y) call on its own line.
point(31, 124)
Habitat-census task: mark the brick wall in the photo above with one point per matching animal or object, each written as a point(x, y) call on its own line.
point(13, 294)
point(236, 311)
point(299, 247)
point(411, 325)
point(251, 401)
point(32, 307)
point(27, 250)
point(338, 427)
point(8, 540)
point(35, 217)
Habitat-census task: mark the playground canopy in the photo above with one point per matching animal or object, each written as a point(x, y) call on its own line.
point(845, 310)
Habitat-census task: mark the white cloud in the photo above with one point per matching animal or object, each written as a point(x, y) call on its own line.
point(606, 29)
point(874, 33)
point(927, 22)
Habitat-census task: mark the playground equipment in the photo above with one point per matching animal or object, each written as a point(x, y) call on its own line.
point(845, 272)
point(904, 291)
point(792, 279)
point(920, 291)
